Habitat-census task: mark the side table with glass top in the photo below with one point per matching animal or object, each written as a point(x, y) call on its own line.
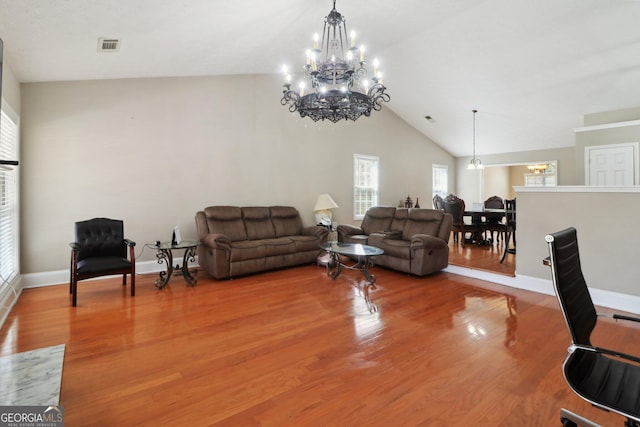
point(164, 253)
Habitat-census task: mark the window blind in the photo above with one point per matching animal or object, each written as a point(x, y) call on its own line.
point(365, 184)
point(9, 267)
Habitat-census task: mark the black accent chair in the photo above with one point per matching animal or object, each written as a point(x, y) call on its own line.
point(608, 379)
point(100, 249)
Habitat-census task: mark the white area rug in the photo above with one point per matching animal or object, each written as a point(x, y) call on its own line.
point(32, 377)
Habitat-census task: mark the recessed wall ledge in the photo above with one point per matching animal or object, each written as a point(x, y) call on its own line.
point(607, 126)
point(579, 189)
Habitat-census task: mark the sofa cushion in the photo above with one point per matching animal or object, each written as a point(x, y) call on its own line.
point(422, 221)
point(396, 248)
point(279, 246)
point(306, 243)
point(226, 220)
point(242, 250)
point(400, 219)
point(286, 221)
point(378, 219)
point(257, 222)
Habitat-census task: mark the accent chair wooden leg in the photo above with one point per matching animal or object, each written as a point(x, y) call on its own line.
point(74, 291)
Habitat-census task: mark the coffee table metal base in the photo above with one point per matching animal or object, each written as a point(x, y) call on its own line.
point(362, 264)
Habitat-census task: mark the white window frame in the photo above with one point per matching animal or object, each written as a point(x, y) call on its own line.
point(9, 199)
point(365, 184)
point(436, 186)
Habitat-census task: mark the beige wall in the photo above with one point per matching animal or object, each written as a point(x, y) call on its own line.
point(607, 251)
point(10, 87)
point(154, 151)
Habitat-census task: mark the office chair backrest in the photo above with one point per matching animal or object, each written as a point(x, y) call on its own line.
point(570, 286)
point(100, 237)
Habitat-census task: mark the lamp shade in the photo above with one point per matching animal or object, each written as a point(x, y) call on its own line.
point(325, 203)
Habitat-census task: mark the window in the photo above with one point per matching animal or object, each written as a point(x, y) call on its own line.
point(440, 180)
point(9, 267)
point(365, 184)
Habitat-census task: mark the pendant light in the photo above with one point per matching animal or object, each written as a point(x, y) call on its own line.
point(474, 163)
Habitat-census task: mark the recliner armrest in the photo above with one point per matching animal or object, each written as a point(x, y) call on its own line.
point(216, 240)
point(391, 234)
point(427, 242)
point(349, 230)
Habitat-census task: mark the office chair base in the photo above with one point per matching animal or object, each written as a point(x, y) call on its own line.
point(569, 419)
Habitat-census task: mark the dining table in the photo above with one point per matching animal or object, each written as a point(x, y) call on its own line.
point(476, 218)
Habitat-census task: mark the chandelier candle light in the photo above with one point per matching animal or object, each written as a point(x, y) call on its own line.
point(334, 73)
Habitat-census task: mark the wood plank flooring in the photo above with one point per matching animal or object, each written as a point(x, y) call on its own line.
point(485, 258)
point(295, 348)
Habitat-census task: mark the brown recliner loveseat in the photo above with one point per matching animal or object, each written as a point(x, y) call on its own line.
point(241, 240)
point(414, 240)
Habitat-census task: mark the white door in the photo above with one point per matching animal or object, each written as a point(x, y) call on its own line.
point(611, 165)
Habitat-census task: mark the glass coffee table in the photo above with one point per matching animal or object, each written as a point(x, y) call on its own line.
point(361, 253)
point(164, 254)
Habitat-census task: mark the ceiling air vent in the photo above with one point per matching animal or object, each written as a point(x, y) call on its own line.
point(108, 45)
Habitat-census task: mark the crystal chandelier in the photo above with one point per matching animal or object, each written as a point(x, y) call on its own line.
point(336, 84)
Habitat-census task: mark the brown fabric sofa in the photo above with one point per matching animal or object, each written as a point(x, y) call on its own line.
point(414, 241)
point(241, 240)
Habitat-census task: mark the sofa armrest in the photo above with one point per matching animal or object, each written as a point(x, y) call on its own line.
point(391, 234)
point(427, 242)
point(316, 231)
point(349, 230)
point(216, 241)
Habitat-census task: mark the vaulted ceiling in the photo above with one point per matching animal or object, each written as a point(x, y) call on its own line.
point(532, 69)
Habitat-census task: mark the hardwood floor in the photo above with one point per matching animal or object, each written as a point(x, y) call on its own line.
point(293, 347)
point(485, 258)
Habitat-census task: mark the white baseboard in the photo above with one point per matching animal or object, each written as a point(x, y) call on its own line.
point(8, 298)
point(614, 300)
point(49, 278)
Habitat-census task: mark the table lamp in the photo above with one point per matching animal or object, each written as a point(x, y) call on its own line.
point(323, 207)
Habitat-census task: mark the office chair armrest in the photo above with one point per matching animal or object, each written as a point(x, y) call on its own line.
point(618, 354)
point(619, 317)
point(603, 350)
point(74, 246)
point(129, 242)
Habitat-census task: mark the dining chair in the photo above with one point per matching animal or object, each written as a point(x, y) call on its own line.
point(493, 222)
point(510, 215)
point(455, 206)
point(438, 202)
